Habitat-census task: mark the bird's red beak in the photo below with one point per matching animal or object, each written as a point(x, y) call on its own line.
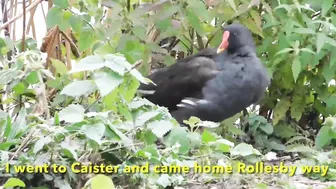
point(225, 42)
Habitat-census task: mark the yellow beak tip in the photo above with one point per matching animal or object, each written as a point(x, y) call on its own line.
point(219, 50)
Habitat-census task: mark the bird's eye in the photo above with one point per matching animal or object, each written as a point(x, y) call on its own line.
point(235, 34)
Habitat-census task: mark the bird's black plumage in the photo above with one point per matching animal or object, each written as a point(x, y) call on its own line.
point(212, 86)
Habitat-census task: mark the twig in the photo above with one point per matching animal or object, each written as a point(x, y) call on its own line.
point(29, 8)
point(121, 147)
point(31, 23)
point(70, 41)
point(23, 144)
point(23, 39)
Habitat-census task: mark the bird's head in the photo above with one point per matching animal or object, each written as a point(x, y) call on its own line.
point(234, 37)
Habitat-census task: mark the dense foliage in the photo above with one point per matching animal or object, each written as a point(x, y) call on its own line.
point(58, 111)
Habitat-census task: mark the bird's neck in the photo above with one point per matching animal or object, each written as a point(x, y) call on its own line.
point(242, 51)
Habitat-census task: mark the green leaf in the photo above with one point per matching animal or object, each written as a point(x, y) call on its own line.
point(250, 24)
point(86, 39)
point(61, 3)
point(200, 8)
point(320, 40)
point(76, 22)
point(296, 68)
point(79, 88)
point(280, 110)
point(160, 128)
point(256, 17)
point(144, 117)
point(304, 30)
point(232, 5)
point(8, 129)
point(65, 24)
point(284, 131)
point(120, 65)
point(297, 107)
point(326, 5)
point(41, 143)
point(208, 137)
point(88, 63)
point(195, 22)
point(94, 132)
point(224, 145)
point(322, 137)
point(72, 114)
point(285, 50)
point(267, 128)
point(107, 82)
point(178, 135)
point(330, 41)
point(19, 88)
point(244, 150)
point(14, 182)
point(102, 182)
point(32, 78)
point(54, 17)
point(59, 66)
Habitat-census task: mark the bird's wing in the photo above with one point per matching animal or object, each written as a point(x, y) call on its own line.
point(185, 78)
point(235, 87)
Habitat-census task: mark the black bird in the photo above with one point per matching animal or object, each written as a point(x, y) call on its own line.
point(213, 84)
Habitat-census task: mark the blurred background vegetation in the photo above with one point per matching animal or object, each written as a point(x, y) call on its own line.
point(70, 95)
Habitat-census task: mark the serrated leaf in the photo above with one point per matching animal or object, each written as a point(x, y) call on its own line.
point(164, 180)
point(14, 182)
point(322, 137)
point(326, 5)
point(160, 128)
point(178, 136)
point(72, 114)
point(195, 22)
point(251, 25)
point(94, 132)
point(296, 68)
point(41, 143)
point(195, 139)
point(200, 8)
point(107, 82)
point(285, 50)
point(280, 110)
point(102, 182)
point(79, 88)
point(331, 41)
point(320, 40)
point(244, 150)
point(304, 30)
point(256, 17)
point(299, 148)
point(307, 50)
point(54, 17)
point(232, 5)
point(297, 107)
point(143, 118)
point(88, 63)
point(224, 145)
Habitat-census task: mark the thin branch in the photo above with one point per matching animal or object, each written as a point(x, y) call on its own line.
point(23, 39)
point(70, 41)
point(29, 8)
